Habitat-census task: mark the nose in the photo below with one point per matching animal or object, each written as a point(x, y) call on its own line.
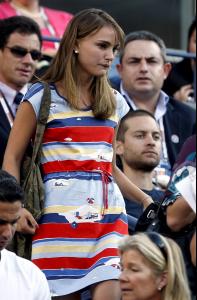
point(143, 66)
point(123, 277)
point(110, 55)
point(27, 59)
point(150, 140)
point(7, 232)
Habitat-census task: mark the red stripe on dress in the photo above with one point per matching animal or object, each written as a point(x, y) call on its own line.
point(72, 262)
point(98, 230)
point(76, 166)
point(79, 134)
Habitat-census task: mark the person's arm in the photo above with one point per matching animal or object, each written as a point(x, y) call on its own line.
point(193, 249)
point(179, 214)
point(128, 189)
point(20, 136)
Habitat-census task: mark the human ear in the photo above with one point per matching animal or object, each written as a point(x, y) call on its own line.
point(119, 68)
point(167, 69)
point(119, 148)
point(162, 281)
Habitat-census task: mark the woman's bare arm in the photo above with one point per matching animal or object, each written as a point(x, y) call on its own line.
point(23, 129)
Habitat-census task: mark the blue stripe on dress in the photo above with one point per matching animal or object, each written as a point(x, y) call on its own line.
point(56, 218)
point(81, 121)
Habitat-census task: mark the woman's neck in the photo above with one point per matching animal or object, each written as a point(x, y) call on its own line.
point(29, 6)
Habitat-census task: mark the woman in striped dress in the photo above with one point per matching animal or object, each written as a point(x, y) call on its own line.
point(76, 243)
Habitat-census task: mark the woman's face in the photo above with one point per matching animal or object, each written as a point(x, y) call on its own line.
point(96, 52)
point(137, 280)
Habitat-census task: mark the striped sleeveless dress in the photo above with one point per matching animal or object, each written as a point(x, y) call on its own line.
point(84, 217)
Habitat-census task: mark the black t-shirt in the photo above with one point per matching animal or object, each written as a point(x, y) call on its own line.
point(135, 210)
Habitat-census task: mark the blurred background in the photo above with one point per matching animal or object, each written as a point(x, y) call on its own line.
point(170, 19)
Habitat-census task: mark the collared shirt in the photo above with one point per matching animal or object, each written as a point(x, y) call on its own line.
point(10, 94)
point(161, 104)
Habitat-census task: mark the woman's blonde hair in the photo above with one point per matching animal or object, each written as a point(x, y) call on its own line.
point(64, 66)
point(165, 256)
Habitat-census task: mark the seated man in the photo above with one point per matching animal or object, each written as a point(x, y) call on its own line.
point(19, 278)
point(139, 149)
point(143, 69)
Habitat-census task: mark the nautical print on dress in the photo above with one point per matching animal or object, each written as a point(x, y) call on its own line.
point(84, 218)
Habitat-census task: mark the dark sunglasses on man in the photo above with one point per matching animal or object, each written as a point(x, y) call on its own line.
point(21, 52)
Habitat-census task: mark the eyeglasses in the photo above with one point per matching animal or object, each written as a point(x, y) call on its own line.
point(155, 238)
point(21, 52)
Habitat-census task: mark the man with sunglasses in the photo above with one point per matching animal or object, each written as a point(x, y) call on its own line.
point(20, 50)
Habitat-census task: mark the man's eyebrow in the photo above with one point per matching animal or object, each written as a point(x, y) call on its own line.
point(135, 57)
point(2, 221)
point(145, 131)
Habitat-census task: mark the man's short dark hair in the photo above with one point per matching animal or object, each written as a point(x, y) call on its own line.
point(144, 36)
point(10, 190)
point(19, 24)
point(123, 127)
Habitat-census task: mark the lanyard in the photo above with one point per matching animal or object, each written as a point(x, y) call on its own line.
point(6, 109)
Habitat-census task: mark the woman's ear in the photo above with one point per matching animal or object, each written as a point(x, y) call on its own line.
point(162, 281)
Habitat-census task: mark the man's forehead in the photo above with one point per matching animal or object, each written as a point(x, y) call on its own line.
point(29, 40)
point(142, 123)
point(143, 48)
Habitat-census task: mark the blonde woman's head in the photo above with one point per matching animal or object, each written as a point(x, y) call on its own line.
point(152, 269)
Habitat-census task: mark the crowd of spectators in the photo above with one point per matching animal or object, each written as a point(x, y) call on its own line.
point(155, 149)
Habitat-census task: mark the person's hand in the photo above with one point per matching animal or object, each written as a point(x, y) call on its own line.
point(184, 93)
point(26, 224)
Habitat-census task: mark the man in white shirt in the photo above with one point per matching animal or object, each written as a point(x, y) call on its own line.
point(20, 279)
point(20, 46)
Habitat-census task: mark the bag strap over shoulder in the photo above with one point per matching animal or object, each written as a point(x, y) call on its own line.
point(41, 123)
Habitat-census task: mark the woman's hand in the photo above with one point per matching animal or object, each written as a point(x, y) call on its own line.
point(26, 224)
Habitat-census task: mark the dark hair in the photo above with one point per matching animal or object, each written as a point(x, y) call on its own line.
point(191, 29)
point(10, 190)
point(131, 114)
point(144, 36)
point(19, 24)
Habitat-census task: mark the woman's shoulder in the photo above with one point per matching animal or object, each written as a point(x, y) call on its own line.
point(121, 104)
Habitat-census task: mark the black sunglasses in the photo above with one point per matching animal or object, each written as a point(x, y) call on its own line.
point(155, 238)
point(21, 52)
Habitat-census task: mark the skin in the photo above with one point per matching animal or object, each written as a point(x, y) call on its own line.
point(179, 211)
point(143, 72)
point(9, 216)
point(15, 71)
point(141, 150)
point(137, 281)
point(95, 55)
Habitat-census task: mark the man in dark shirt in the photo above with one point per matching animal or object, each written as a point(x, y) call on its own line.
point(139, 149)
